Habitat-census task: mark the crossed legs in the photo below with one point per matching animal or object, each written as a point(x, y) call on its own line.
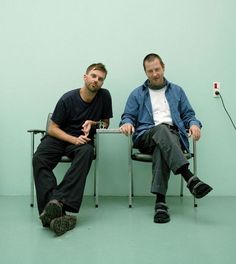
point(164, 144)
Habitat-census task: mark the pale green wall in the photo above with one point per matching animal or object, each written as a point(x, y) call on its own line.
point(46, 45)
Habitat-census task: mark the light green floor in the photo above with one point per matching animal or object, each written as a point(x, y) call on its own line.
point(114, 233)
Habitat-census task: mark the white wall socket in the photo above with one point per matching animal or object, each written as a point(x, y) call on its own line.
point(216, 89)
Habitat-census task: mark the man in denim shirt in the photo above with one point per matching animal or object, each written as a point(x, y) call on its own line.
point(158, 113)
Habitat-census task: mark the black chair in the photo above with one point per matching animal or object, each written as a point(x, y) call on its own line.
point(64, 159)
point(135, 155)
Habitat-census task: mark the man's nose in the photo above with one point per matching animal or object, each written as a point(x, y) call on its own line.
point(154, 73)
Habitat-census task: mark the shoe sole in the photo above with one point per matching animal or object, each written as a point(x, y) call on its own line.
point(161, 216)
point(52, 210)
point(161, 221)
point(63, 224)
point(204, 193)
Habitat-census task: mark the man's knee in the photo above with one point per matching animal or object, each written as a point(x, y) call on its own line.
point(90, 150)
point(42, 160)
point(162, 129)
point(160, 132)
point(87, 150)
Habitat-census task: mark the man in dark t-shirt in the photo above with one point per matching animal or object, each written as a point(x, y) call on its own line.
point(71, 133)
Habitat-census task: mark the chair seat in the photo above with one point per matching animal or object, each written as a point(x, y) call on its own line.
point(148, 157)
point(65, 159)
point(141, 157)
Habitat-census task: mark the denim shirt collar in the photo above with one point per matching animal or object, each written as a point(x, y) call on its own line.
point(145, 85)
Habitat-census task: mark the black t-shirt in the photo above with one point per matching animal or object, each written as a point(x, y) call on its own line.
point(71, 111)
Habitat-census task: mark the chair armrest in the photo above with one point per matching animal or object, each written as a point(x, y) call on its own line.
point(36, 131)
point(108, 131)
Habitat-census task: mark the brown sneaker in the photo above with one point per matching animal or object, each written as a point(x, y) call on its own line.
point(61, 225)
point(53, 209)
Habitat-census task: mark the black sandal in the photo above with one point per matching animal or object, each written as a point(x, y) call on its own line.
point(161, 213)
point(198, 188)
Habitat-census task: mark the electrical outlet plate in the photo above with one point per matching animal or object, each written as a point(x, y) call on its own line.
point(216, 88)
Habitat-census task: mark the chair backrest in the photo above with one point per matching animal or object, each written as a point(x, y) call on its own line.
point(48, 121)
point(63, 158)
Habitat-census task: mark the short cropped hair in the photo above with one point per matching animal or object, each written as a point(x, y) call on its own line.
point(97, 66)
point(152, 57)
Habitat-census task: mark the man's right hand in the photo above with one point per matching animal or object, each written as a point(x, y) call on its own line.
point(127, 129)
point(81, 140)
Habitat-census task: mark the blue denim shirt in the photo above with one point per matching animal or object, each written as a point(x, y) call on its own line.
point(138, 111)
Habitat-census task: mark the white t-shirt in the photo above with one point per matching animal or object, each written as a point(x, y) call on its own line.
point(160, 107)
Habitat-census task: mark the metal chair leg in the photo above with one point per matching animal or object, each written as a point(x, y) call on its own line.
point(96, 171)
point(32, 175)
point(194, 166)
point(181, 186)
point(130, 171)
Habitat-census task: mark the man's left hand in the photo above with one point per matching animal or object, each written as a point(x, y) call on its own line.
point(195, 132)
point(87, 126)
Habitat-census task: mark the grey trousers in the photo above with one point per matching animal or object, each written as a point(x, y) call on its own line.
point(163, 143)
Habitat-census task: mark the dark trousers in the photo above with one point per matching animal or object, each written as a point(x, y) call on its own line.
point(163, 143)
point(71, 188)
